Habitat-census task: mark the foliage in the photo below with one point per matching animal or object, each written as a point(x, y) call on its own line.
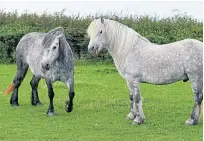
point(158, 30)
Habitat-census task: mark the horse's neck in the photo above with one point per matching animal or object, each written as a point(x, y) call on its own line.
point(121, 40)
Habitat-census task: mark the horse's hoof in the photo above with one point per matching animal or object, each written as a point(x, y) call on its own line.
point(138, 121)
point(14, 104)
point(130, 116)
point(135, 123)
point(69, 109)
point(51, 114)
point(190, 122)
point(36, 103)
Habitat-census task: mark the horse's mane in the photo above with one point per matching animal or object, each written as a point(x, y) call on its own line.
point(91, 29)
point(125, 27)
point(50, 36)
point(124, 38)
point(93, 26)
point(143, 38)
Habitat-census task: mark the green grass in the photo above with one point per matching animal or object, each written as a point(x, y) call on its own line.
point(100, 107)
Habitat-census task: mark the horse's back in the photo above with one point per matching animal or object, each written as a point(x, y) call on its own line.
point(29, 51)
point(189, 44)
point(28, 41)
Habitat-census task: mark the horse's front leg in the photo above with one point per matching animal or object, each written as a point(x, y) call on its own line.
point(131, 115)
point(69, 103)
point(50, 110)
point(135, 86)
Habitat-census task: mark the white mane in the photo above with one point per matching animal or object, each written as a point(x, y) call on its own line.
point(91, 31)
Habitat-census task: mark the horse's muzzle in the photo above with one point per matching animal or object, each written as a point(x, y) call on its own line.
point(45, 66)
point(93, 50)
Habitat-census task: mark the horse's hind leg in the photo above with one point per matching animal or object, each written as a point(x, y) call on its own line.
point(20, 74)
point(34, 85)
point(197, 87)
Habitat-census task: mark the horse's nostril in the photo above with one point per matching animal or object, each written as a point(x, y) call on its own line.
point(92, 47)
point(47, 67)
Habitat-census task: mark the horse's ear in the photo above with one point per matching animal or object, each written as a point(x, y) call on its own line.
point(102, 20)
point(50, 36)
point(59, 36)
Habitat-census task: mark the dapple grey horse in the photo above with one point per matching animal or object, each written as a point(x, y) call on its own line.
point(49, 56)
point(140, 61)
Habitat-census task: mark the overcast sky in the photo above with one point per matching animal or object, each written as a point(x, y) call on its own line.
point(191, 8)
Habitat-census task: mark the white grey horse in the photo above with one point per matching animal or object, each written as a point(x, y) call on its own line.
point(49, 56)
point(140, 61)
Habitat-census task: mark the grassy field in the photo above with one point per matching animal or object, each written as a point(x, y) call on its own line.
point(100, 107)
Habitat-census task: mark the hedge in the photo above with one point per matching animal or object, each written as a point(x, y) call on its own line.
point(157, 30)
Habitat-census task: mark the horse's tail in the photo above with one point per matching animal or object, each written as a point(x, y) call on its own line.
point(10, 89)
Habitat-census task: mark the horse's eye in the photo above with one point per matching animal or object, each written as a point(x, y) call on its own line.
point(54, 47)
point(101, 31)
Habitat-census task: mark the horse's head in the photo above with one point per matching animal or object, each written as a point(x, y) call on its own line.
point(96, 32)
point(51, 47)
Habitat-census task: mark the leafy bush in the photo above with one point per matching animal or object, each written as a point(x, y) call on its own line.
point(160, 31)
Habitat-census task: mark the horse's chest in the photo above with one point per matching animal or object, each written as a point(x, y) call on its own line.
point(123, 69)
point(58, 75)
point(36, 68)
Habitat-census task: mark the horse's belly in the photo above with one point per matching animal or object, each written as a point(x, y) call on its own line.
point(163, 77)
